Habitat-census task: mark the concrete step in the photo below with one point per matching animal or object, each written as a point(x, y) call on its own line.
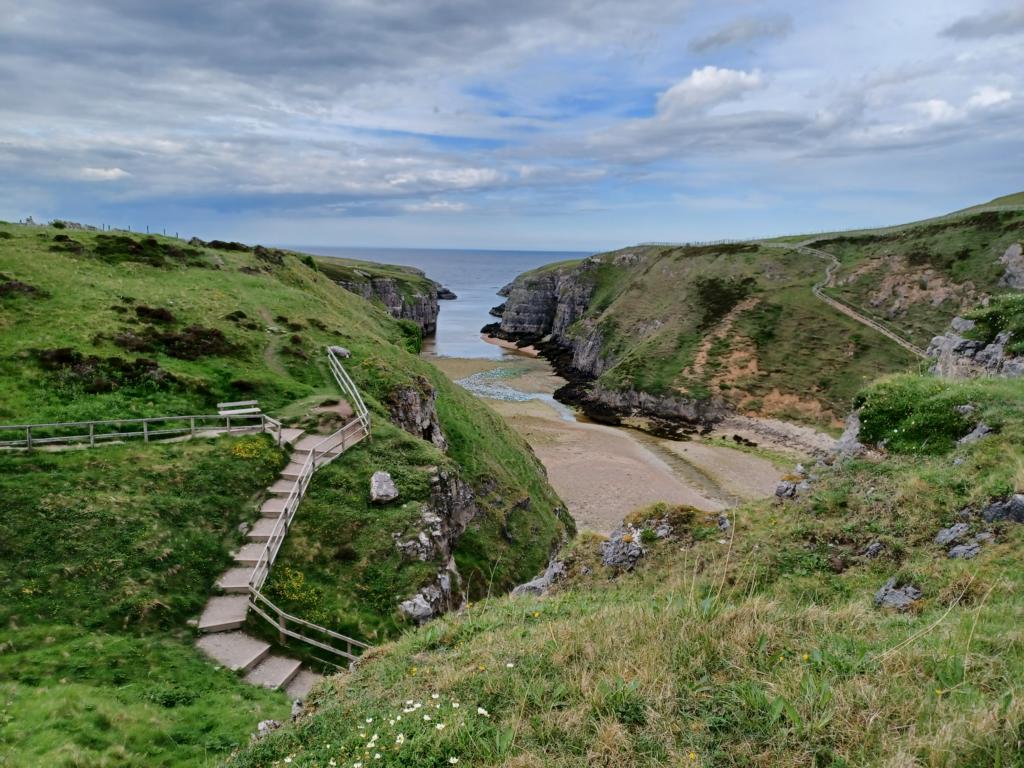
point(235, 650)
point(289, 435)
point(250, 554)
point(293, 470)
point(274, 672)
point(235, 580)
point(301, 683)
point(308, 442)
point(262, 529)
point(282, 487)
point(224, 613)
point(272, 508)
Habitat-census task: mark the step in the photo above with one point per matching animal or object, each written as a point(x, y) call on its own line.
point(299, 687)
point(262, 529)
point(235, 580)
point(308, 443)
point(274, 672)
point(224, 613)
point(272, 508)
point(250, 554)
point(289, 435)
point(282, 487)
point(293, 470)
point(237, 651)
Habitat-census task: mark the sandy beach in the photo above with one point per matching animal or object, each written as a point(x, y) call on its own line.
point(603, 473)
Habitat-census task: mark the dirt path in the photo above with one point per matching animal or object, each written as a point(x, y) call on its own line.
point(819, 293)
point(270, 356)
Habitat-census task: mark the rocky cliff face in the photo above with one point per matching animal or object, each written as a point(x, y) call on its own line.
point(414, 409)
point(959, 357)
point(418, 306)
point(442, 522)
point(551, 305)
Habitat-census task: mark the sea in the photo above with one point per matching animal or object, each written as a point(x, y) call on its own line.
point(474, 276)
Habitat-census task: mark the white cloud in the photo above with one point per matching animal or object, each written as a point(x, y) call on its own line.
point(434, 206)
point(988, 96)
point(102, 174)
point(707, 87)
point(936, 110)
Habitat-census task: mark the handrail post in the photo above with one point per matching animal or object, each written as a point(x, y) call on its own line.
point(92, 434)
point(28, 438)
point(228, 419)
point(192, 425)
point(280, 627)
point(145, 430)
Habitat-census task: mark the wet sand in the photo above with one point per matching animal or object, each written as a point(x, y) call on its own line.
point(603, 473)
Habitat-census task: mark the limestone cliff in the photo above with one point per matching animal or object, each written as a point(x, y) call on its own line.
point(959, 357)
point(415, 303)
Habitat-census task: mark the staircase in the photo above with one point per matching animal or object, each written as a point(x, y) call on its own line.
point(222, 638)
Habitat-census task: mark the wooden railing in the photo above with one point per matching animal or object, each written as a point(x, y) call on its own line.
point(320, 455)
point(151, 428)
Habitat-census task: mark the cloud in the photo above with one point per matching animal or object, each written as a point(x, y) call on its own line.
point(744, 30)
point(434, 206)
point(937, 110)
point(1009, 21)
point(988, 96)
point(707, 87)
point(102, 174)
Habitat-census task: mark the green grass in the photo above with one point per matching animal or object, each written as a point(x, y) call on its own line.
point(1003, 314)
point(410, 281)
point(126, 542)
point(943, 267)
point(765, 650)
point(104, 555)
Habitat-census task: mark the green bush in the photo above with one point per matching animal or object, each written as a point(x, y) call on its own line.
point(911, 414)
point(1004, 313)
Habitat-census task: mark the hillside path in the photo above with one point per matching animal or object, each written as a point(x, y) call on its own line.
point(826, 282)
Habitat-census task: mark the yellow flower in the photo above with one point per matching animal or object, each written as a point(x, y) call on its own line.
point(807, 657)
point(692, 756)
point(939, 691)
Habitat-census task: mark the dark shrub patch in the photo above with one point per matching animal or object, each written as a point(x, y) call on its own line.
point(222, 245)
point(718, 295)
point(235, 316)
point(6, 236)
point(115, 249)
point(65, 244)
point(154, 314)
point(269, 255)
point(914, 415)
point(11, 287)
point(191, 343)
point(96, 374)
point(1004, 313)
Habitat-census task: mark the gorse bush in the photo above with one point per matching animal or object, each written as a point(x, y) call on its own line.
point(1004, 313)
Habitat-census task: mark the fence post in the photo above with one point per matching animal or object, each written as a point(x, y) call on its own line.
point(145, 430)
point(228, 419)
point(192, 425)
point(280, 630)
point(28, 438)
point(92, 435)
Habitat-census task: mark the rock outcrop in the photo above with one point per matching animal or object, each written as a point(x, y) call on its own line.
point(414, 409)
point(1013, 265)
point(959, 357)
point(419, 306)
point(442, 522)
point(540, 585)
point(382, 488)
point(896, 596)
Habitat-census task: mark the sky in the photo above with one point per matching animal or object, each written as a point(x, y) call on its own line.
point(527, 124)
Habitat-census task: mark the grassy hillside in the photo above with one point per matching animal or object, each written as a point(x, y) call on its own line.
point(410, 280)
point(917, 278)
point(104, 555)
point(760, 646)
point(101, 325)
point(732, 321)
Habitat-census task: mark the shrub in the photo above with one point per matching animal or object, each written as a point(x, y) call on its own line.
point(1004, 313)
point(911, 414)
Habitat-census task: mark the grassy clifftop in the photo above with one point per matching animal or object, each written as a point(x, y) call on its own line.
point(759, 646)
point(125, 541)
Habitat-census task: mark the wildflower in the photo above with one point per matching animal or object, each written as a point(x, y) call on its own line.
point(692, 755)
point(481, 667)
point(435, 695)
point(807, 657)
point(535, 615)
point(510, 665)
point(287, 759)
point(400, 739)
point(440, 726)
point(455, 705)
point(357, 765)
point(482, 712)
point(453, 760)
point(408, 702)
point(939, 691)
point(426, 718)
point(369, 720)
point(391, 722)
point(376, 755)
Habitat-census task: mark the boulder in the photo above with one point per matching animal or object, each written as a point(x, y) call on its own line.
point(541, 584)
point(965, 551)
point(263, 728)
point(873, 550)
point(952, 534)
point(848, 443)
point(341, 352)
point(382, 488)
point(898, 597)
point(1010, 508)
point(623, 549)
point(980, 431)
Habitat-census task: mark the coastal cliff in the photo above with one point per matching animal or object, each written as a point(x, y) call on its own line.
point(405, 292)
